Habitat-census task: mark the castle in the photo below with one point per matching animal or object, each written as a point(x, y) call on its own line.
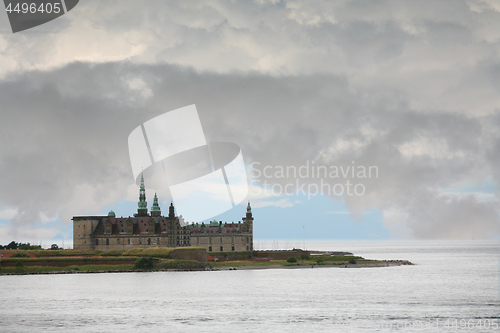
point(145, 230)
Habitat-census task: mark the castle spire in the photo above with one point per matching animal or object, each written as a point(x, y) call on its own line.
point(249, 211)
point(142, 204)
point(155, 209)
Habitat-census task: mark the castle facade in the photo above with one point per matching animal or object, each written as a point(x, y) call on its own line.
point(144, 230)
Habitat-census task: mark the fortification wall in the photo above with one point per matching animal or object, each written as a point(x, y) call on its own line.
point(189, 254)
point(279, 255)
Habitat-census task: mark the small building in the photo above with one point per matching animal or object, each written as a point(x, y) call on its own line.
point(144, 230)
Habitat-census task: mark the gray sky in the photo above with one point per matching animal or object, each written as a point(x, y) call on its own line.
point(408, 86)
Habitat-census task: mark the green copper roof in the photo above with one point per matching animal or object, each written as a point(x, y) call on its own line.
point(155, 207)
point(248, 207)
point(111, 213)
point(142, 195)
point(214, 223)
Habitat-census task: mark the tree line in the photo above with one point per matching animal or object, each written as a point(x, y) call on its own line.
point(20, 246)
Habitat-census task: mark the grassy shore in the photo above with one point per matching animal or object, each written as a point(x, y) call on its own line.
point(313, 260)
point(74, 269)
point(122, 261)
point(160, 264)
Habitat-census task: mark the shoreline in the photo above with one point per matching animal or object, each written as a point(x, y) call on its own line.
point(388, 263)
point(384, 264)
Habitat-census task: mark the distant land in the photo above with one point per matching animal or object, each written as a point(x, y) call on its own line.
point(174, 259)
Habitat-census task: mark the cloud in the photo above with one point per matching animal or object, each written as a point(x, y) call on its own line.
point(71, 157)
point(7, 214)
point(410, 89)
point(440, 55)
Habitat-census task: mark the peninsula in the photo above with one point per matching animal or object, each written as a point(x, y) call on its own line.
point(185, 259)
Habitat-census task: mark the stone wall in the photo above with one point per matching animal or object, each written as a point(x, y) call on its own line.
point(279, 255)
point(229, 242)
point(198, 254)
point(128, 242)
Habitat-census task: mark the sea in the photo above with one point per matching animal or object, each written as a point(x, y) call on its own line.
point(453, 286)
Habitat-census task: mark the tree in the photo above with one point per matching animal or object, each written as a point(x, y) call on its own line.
point(54, 247)
point(292, 260)
point(352, 261)
point(304, 256)
point(20, 255)
point(19, 267)
point(144, 263)
point(28, 246)
point(11, 246)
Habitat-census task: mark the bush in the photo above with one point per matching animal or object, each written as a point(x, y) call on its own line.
point(19, 267)
point(20, 255)
point(319, 261)
point(352, 261)
point(292, 260)
point(144, 263)
point(304, 256)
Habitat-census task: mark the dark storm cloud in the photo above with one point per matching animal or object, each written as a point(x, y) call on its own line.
point(408, 86)
point(64, 140)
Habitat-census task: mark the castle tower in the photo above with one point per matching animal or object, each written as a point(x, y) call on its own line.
point(171, 211)
point(248, 222)
point(143, 205)
point(155, 210)
point(249, 211)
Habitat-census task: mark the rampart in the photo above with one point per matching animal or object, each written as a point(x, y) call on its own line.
point(198, 254)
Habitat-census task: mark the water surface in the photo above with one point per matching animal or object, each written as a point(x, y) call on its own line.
point(452, 281)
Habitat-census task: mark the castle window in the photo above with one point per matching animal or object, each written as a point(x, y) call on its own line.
point(149, 241)
point(140, 241)
point(221, 248)
point(129, 241)
point(232, 248)
point(107, 241)
point(209, 249)
point(118, 241)
point(96, 242)
point(247, 248)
